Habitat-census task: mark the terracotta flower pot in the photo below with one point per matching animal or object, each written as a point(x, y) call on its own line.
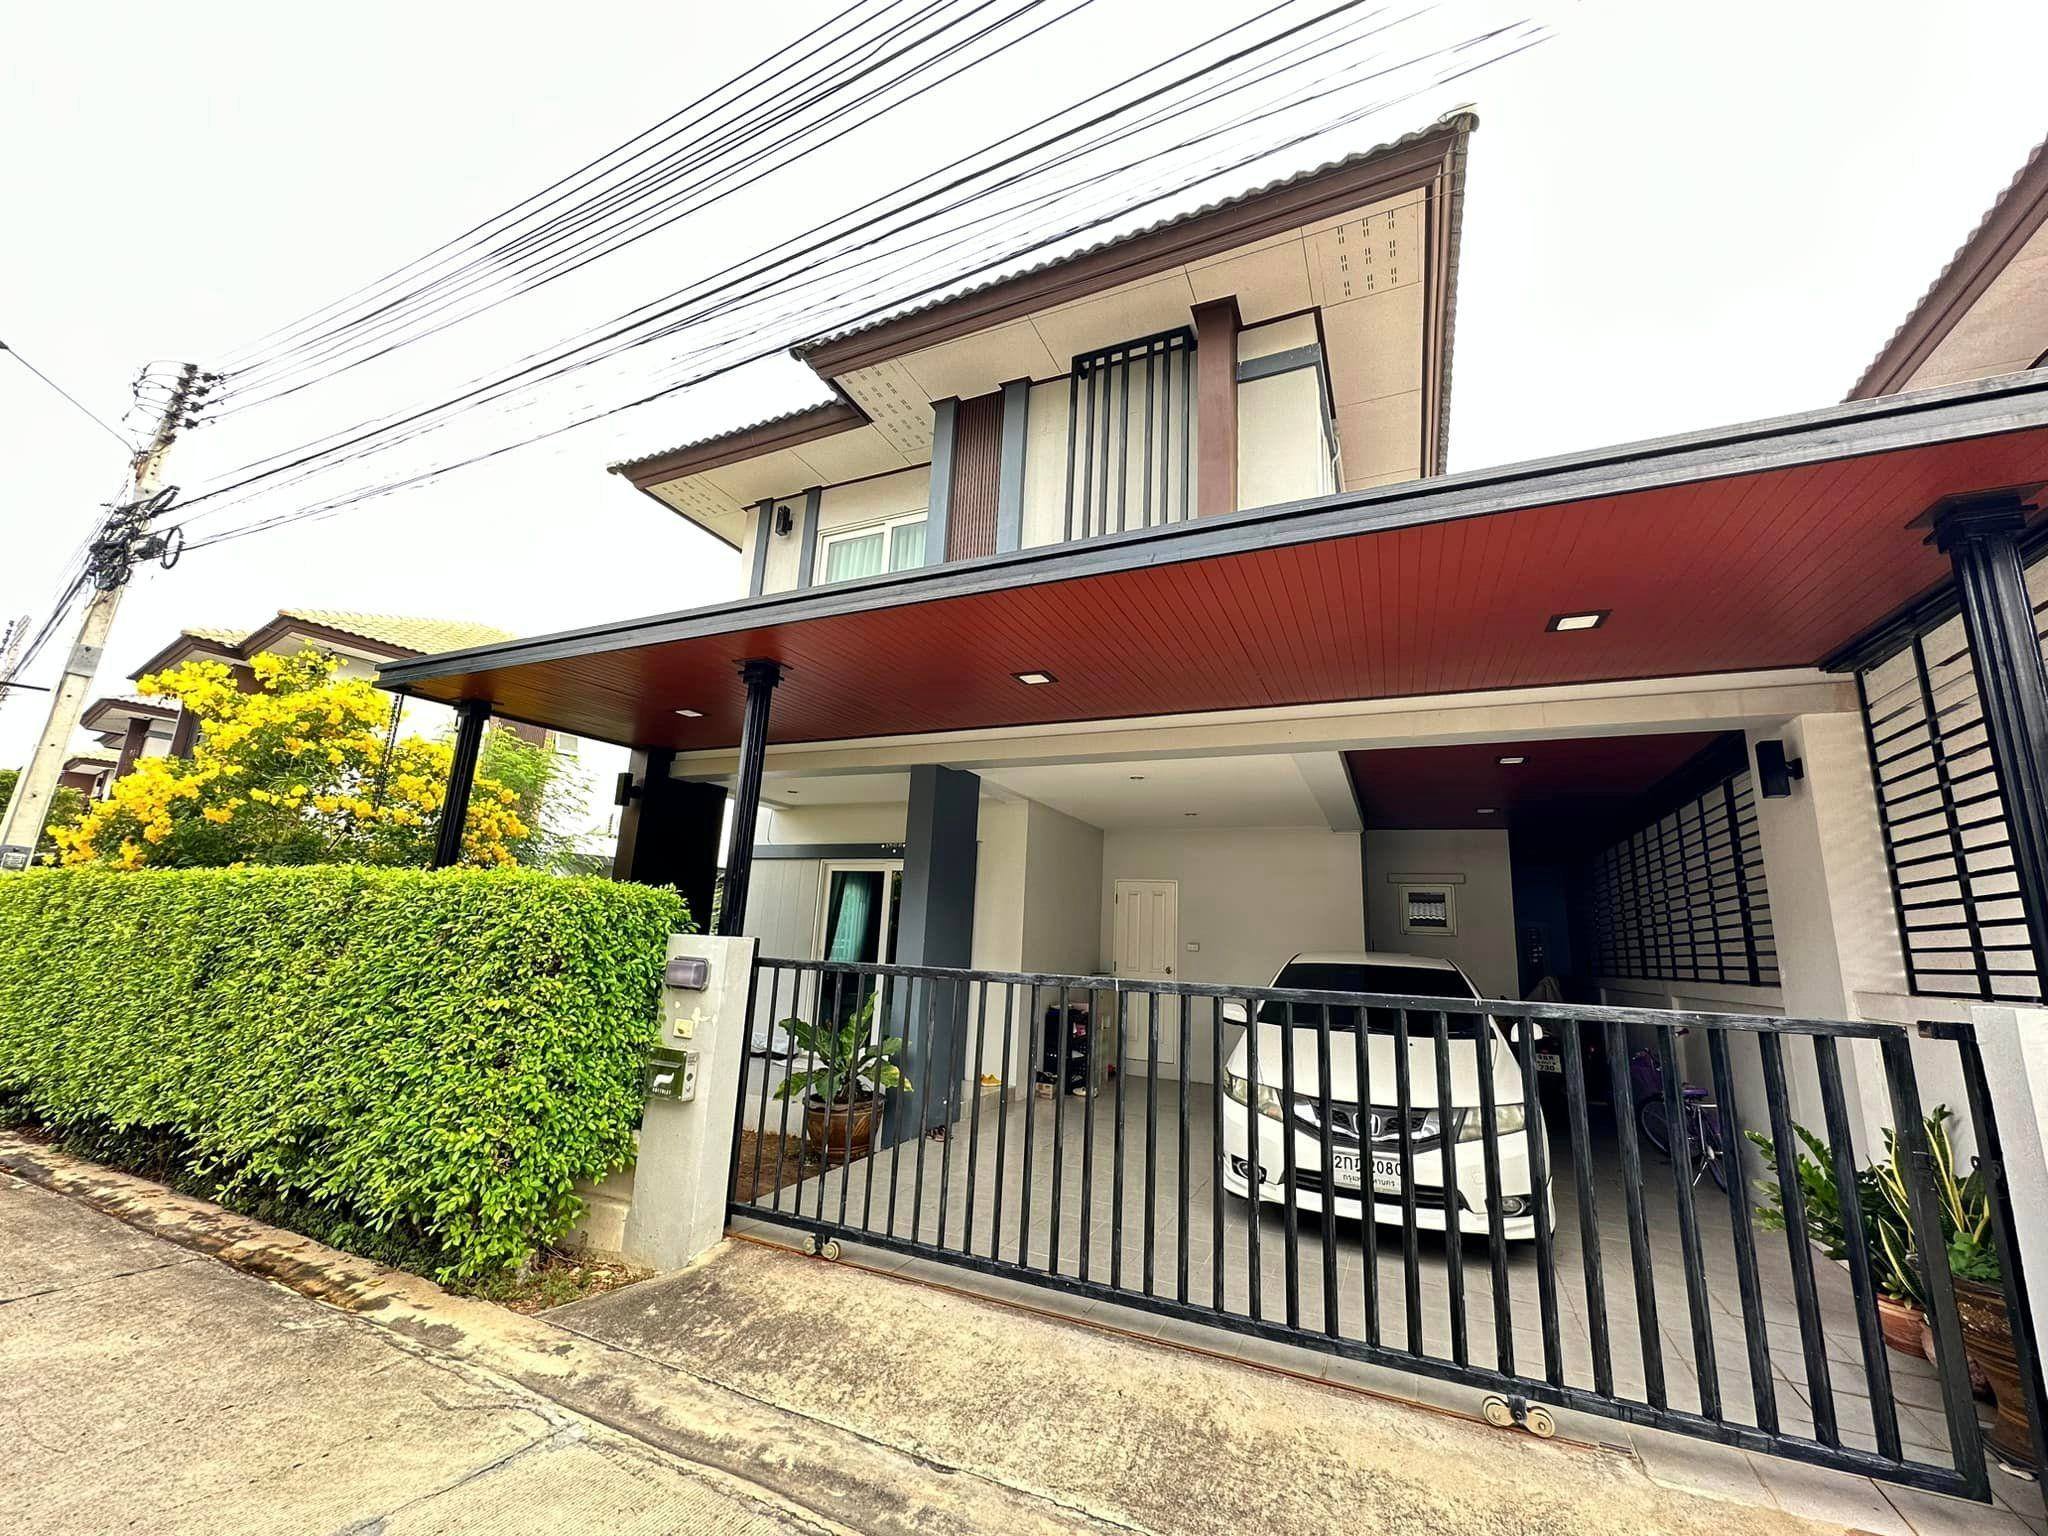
point(1987, 1340)
point(838, 1133)
point(1980, 1384)
point(1900, 1322)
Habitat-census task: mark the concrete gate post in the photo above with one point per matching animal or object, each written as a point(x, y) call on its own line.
point(2014, 1045)
point(684, 1169)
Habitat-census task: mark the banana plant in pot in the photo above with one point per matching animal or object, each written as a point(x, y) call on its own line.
point(846, 1068)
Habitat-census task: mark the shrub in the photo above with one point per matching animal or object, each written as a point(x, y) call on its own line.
point(431, 1057)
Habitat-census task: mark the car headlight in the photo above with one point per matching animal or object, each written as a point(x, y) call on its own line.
point(1240, 1089)
point(1507, 1119)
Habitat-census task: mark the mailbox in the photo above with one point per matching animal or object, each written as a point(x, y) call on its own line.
point(671, 1074)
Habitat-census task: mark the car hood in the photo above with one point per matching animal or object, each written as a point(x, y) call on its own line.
point(1381, 1048)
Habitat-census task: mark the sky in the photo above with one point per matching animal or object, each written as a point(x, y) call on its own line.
point(1677, 216)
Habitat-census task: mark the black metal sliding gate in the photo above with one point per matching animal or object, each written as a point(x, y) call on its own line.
point(1064, 1131)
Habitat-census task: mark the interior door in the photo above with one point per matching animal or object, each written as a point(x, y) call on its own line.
point(1147, 933)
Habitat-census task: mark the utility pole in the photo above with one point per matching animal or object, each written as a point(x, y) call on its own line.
point(123, 540)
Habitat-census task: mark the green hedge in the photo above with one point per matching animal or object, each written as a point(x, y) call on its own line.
point(435, 1057)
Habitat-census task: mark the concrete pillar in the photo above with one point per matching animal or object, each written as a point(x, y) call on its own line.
point(935, 926)
point(2013, 1043)
point(684, 1168)
point(1831, 908)
point(670, 832)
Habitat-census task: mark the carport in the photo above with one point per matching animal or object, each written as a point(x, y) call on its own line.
point(1506, 606)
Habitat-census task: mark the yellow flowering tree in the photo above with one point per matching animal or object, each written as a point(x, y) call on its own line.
point(297, 772)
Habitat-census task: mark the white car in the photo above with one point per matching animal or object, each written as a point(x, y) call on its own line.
point(1365, 1139)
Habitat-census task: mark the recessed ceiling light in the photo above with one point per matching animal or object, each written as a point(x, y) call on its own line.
point(691, 714)
point(1511, 762)
point(1565, 622)
point(1033, 679)
point(1487, 810)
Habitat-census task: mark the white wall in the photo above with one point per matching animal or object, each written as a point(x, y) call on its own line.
point(1485, 941)
point(880, 823)
point(1063, 861)
point(1045, 465)
point(1252, 898)
point(1282, 453)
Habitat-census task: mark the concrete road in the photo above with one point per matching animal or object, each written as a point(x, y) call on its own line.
point(147, 1388)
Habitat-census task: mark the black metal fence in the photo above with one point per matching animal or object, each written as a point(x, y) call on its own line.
point(1103, 1139)
point(1130, 436)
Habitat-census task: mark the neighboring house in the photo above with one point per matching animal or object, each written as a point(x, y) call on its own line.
point(88, 772)
point(1117, 617)
point(137, 728)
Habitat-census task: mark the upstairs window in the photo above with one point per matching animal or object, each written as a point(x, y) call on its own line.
point(847, 554)
point(1130, 436)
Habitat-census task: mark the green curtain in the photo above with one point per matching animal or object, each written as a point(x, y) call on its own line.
point(850, 917)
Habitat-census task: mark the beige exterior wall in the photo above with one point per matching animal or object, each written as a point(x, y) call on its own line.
point(1484, 944)
point(1282, 452)
point(1045, 465)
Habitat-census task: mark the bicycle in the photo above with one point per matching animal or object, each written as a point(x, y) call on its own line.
point(1706, 1148)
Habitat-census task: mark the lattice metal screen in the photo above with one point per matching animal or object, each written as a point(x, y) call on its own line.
point(1130, 436)
point(1963, 929)
point(1683, 898)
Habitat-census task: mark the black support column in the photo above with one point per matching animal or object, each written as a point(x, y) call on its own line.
point(1981, 538)
point(669, 833)
point(935, 927)
point(471, 716)
point(760, 677)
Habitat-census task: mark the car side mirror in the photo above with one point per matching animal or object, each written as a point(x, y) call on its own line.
point(1235, 1012)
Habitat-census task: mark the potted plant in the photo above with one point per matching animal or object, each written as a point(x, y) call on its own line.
point(1965, 1205)
point(1880, 1196)
point(847, 1068)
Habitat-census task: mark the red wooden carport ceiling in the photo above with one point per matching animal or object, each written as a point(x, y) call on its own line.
point(1762, 570)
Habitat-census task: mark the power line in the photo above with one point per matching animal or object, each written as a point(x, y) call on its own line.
point(329, 507)
point(569, 243)
point(78, 405)
point(632, 328)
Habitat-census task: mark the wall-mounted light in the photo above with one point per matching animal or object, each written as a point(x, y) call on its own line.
point(1775, 771)
point(785, 521)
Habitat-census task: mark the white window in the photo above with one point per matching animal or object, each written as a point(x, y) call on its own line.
point(846, 554)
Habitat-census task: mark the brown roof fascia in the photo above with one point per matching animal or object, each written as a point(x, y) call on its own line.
point(1404, 167)
point(2011, 221)
point(285, 624)
point(827, 420)
point(185, 648)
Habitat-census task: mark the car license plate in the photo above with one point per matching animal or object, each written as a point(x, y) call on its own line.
point(1386, 1172)
point(1549, 1061)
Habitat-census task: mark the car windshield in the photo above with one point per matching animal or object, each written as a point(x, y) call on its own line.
point(1357, 976)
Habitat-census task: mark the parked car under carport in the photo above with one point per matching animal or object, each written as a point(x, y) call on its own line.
point(1364, 1138)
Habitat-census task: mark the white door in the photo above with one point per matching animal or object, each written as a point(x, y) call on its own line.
point(1147, 930)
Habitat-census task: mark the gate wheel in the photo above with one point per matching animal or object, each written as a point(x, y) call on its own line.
point(1506, 1412)
point(811, 1244)
point(829, 1249)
